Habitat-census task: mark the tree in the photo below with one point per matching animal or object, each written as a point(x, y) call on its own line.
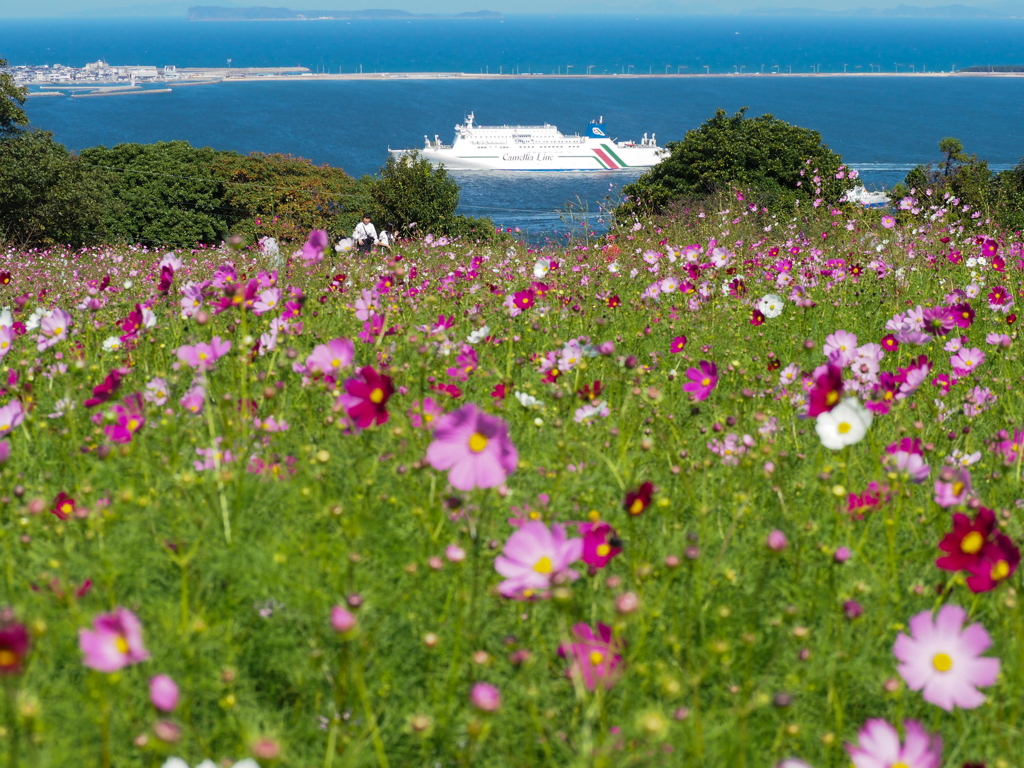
point(410, 190)
point(775, 160)
point(12, 99)
point(47, 195)
point(954, 152)
point(959, 177)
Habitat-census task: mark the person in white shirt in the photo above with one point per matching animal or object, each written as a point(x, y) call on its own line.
point(386, 238)
point(365, 234)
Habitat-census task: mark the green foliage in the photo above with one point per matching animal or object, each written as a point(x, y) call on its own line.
point(47, 195)
point(774, 159)
point(411, 191)
point(12, 101)
point(163, 194)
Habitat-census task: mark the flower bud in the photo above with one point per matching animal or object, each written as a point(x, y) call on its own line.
point(777, 541)
point(342, 620)
point(485, 697)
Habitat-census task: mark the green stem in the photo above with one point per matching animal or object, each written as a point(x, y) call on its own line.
point(364, 697)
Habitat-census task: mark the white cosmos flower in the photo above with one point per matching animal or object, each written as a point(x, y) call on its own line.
point(344, 245)
point(36, 317)
point(478, 335)
point(613, 267)
point(112, 344)
point(6, 318)
point(128, 284)
point(528, 401)
point(771, 305)
point(844, 425)
point(541, 267)
point(177, 762)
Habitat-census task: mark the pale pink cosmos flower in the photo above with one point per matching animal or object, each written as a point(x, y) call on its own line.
point(270, 424)
point(202, 356)
point(366, 305)
point(888, 222)
point(54, 327)
point(331, 358)
point(879, 747)
point(955, 490)
point(474, 447)
point(841, 343)
point(996, 339)
point(313, 249)
point(11, 416)
point(943, 659)
point(594, 657)
point(114, 642)
point(533, 556)
point(191, 300)
point(425, 416)
point(267, 301)
point(156, 391)
point(7, 337)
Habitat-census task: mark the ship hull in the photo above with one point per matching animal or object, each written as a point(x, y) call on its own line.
point(592, 156)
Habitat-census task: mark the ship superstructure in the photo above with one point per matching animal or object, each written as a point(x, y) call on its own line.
point(537, 148)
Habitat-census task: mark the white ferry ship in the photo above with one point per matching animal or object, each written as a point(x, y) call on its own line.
point(537, 148)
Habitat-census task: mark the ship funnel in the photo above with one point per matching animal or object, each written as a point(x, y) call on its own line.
point(596, 130)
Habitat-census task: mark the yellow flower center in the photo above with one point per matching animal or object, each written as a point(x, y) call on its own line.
point(133, 424)
point(67, 507)
point(202, 355)
point(477, 442)
point(942, 662)
point(377, 396)
point(543, 565)
point(7, 658)
point(888, 395)
point(428, 417)
point(1000, 571)
point(596, 658)
point(968, 363)
point(636, 507)
point(832, 398)
point(603, 550)
point(971, 543)
point(4, 427)
point(958, 488)
point(122, 644)
point(900, 764)
point(57, 331)
point(844, 427)
point(705, 381)
point(966, 315)
point(336, 363)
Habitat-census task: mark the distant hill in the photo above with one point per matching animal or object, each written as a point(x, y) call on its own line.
point(263, 13)
point(1002, 10)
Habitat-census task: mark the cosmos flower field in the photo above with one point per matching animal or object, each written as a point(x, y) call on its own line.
point(729, 490)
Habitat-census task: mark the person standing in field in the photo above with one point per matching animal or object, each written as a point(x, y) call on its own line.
point(365, 234)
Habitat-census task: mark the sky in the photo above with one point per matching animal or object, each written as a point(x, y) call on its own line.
point(44, 8)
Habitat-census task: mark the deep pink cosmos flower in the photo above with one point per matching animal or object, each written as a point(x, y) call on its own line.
point(63, 506)
point(943, 659)
point(114, 642)
point(678, 345)
point(533, 556)
point(129, 419)
point(595, 657)
point(202, 356)
point(474, 447)
point(879, 747)
point(366, 397)
point(963, 545)
point(330, 358)
point(637, 501)
point(702, 381)
point(600, 543)
point(826, 393)
point(963, 314)
point(998, 562)
point(14, 645)
point(523, 299)
point(1000, 299)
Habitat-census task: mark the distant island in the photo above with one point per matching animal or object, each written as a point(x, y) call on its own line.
point(263, 13)
point(1009, 9)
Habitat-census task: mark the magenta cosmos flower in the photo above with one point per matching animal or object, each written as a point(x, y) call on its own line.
point(594, 657)
point(366, 398)
point(474, 447)
point(114, 642)
point(163, 693)
point(702, 381)
point(943, 659)
point(331, 357)
point(878, 746)
point(533, 556)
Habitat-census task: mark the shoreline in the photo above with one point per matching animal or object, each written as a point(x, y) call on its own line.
point(227, 78)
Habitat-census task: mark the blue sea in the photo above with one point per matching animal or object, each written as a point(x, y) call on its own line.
point(882, 126)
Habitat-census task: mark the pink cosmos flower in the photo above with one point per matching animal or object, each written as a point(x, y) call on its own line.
point(702, 381)
point(163, 693)
point(193, 399)
point(202, 356)
point(967, 360)
point(7, 336)
point(425, 416)
point(678, 345)
point(11, 415)
point(156, 391)
point(953, 488)
point(331, 357)
point(533, 556)
point(840, 347)
point(594, 657)
point(114, 642)
point(943, 659)
point(485, 697)
point(888, 222)
point(54, 327)
point(268, 301)
point(475, 447)
point(600, 543)
point(313, 249)
point(129, 419)
point(879, 747)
